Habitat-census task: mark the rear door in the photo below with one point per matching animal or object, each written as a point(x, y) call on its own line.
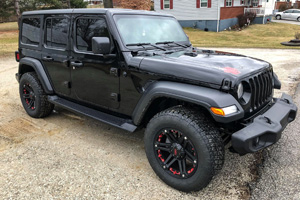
point(95, 78)
point(55, 52)
point(296, 14)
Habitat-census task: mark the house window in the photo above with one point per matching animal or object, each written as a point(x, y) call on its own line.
point(242, 2)
point(255, 3)
point(228, 3)
point(166, 3)
point(203, 4)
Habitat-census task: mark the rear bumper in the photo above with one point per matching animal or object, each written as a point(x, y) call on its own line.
point(265, 129)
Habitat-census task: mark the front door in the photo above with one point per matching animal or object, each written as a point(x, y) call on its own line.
point(95, 78)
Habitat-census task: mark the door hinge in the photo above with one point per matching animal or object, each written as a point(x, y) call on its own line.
point(115, 97)
point(114, 71)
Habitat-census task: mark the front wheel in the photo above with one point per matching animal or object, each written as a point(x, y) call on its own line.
point(278, 17)
point(184, 148)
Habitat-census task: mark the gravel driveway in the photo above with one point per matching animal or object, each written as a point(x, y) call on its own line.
point(69, 156)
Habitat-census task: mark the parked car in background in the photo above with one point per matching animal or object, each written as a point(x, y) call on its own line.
point(291, 14)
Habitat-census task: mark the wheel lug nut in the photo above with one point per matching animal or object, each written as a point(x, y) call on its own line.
point(156, 145)
point(166, 131)
point(164, 167)
point(183, 175)
point(185, 138)
point(195, 161)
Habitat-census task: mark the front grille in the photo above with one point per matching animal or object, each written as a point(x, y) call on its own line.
point(261, 87)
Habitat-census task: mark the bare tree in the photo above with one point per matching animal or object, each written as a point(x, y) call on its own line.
point(108, 3)
point(17, 10)
point(69, 3)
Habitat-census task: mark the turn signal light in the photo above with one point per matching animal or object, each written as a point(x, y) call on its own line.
point(224, 111)
point(217, 111)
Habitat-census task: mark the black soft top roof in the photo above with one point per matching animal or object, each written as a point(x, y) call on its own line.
point(93, 11)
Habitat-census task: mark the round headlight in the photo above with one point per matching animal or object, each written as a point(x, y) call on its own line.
point(240, 90)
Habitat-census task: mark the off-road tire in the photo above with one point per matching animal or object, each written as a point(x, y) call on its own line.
point(42, 107)
point(205, 138)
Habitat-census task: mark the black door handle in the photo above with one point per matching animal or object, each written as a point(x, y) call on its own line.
point(47, 58)
point(77, 64)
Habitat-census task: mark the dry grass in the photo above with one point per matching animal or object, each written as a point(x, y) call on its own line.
point(256, 36)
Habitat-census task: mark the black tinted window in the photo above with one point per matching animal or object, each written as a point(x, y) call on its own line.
point(296, 11)
point(31, 31)
point(86, 29)
point(57, 32)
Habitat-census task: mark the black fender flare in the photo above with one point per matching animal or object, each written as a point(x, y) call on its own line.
point(205, 97)
point(39, 69)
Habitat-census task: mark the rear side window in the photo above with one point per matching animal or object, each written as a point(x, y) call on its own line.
point(31, 31)
point(86, 29)
point(296, 11)
point(56, 32)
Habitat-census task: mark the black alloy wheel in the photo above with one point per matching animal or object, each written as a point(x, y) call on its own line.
point(176, 153)
point(184, 148)
point(29, 96)
point(33, 97)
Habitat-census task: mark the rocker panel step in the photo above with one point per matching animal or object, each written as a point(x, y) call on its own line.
point(125, 124)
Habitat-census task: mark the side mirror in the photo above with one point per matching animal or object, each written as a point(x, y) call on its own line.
point(101, 45)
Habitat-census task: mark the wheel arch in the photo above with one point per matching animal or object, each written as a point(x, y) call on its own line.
point(172, 93)
point(34, 65)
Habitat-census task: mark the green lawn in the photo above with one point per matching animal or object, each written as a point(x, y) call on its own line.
point(255, 36)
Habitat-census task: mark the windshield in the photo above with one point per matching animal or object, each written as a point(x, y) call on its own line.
point(136, 29)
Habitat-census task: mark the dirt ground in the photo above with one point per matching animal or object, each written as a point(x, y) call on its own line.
point(69, 156)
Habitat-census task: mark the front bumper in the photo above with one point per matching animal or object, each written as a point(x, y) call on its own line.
point(266, 128)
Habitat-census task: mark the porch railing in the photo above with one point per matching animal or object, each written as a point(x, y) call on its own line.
point(257, 11)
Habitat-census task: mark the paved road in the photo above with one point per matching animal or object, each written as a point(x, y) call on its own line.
point(67, 156)
point(286, 21)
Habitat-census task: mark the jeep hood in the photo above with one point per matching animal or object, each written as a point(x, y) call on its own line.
point(211, 68)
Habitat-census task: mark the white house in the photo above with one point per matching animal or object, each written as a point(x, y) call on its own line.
point(214, 15)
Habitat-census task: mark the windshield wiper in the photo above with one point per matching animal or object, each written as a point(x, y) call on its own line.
point(172, 42)
point(144, 44)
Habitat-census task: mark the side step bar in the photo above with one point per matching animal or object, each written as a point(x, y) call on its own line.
point(125, 124)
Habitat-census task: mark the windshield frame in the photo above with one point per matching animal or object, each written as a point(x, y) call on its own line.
point(131, 48)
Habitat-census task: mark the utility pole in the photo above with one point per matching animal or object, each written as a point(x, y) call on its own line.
point(17, 10)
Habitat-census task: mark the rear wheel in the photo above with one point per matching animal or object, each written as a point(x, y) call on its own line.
point(184, 148)
point(298, 19)
point(33, 97)
point(278, 17)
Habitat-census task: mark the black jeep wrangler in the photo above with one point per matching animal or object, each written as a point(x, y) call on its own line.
point(135, 69)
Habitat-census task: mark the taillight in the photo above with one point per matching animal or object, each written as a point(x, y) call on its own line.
point(17, 56)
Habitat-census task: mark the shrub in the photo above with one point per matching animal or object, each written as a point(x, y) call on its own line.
point(297, 35)
point(246, 18)
point(282, 7)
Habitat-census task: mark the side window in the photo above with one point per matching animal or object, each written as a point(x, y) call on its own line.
point(56, 32)
point(31, 31)
point(86, 29)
